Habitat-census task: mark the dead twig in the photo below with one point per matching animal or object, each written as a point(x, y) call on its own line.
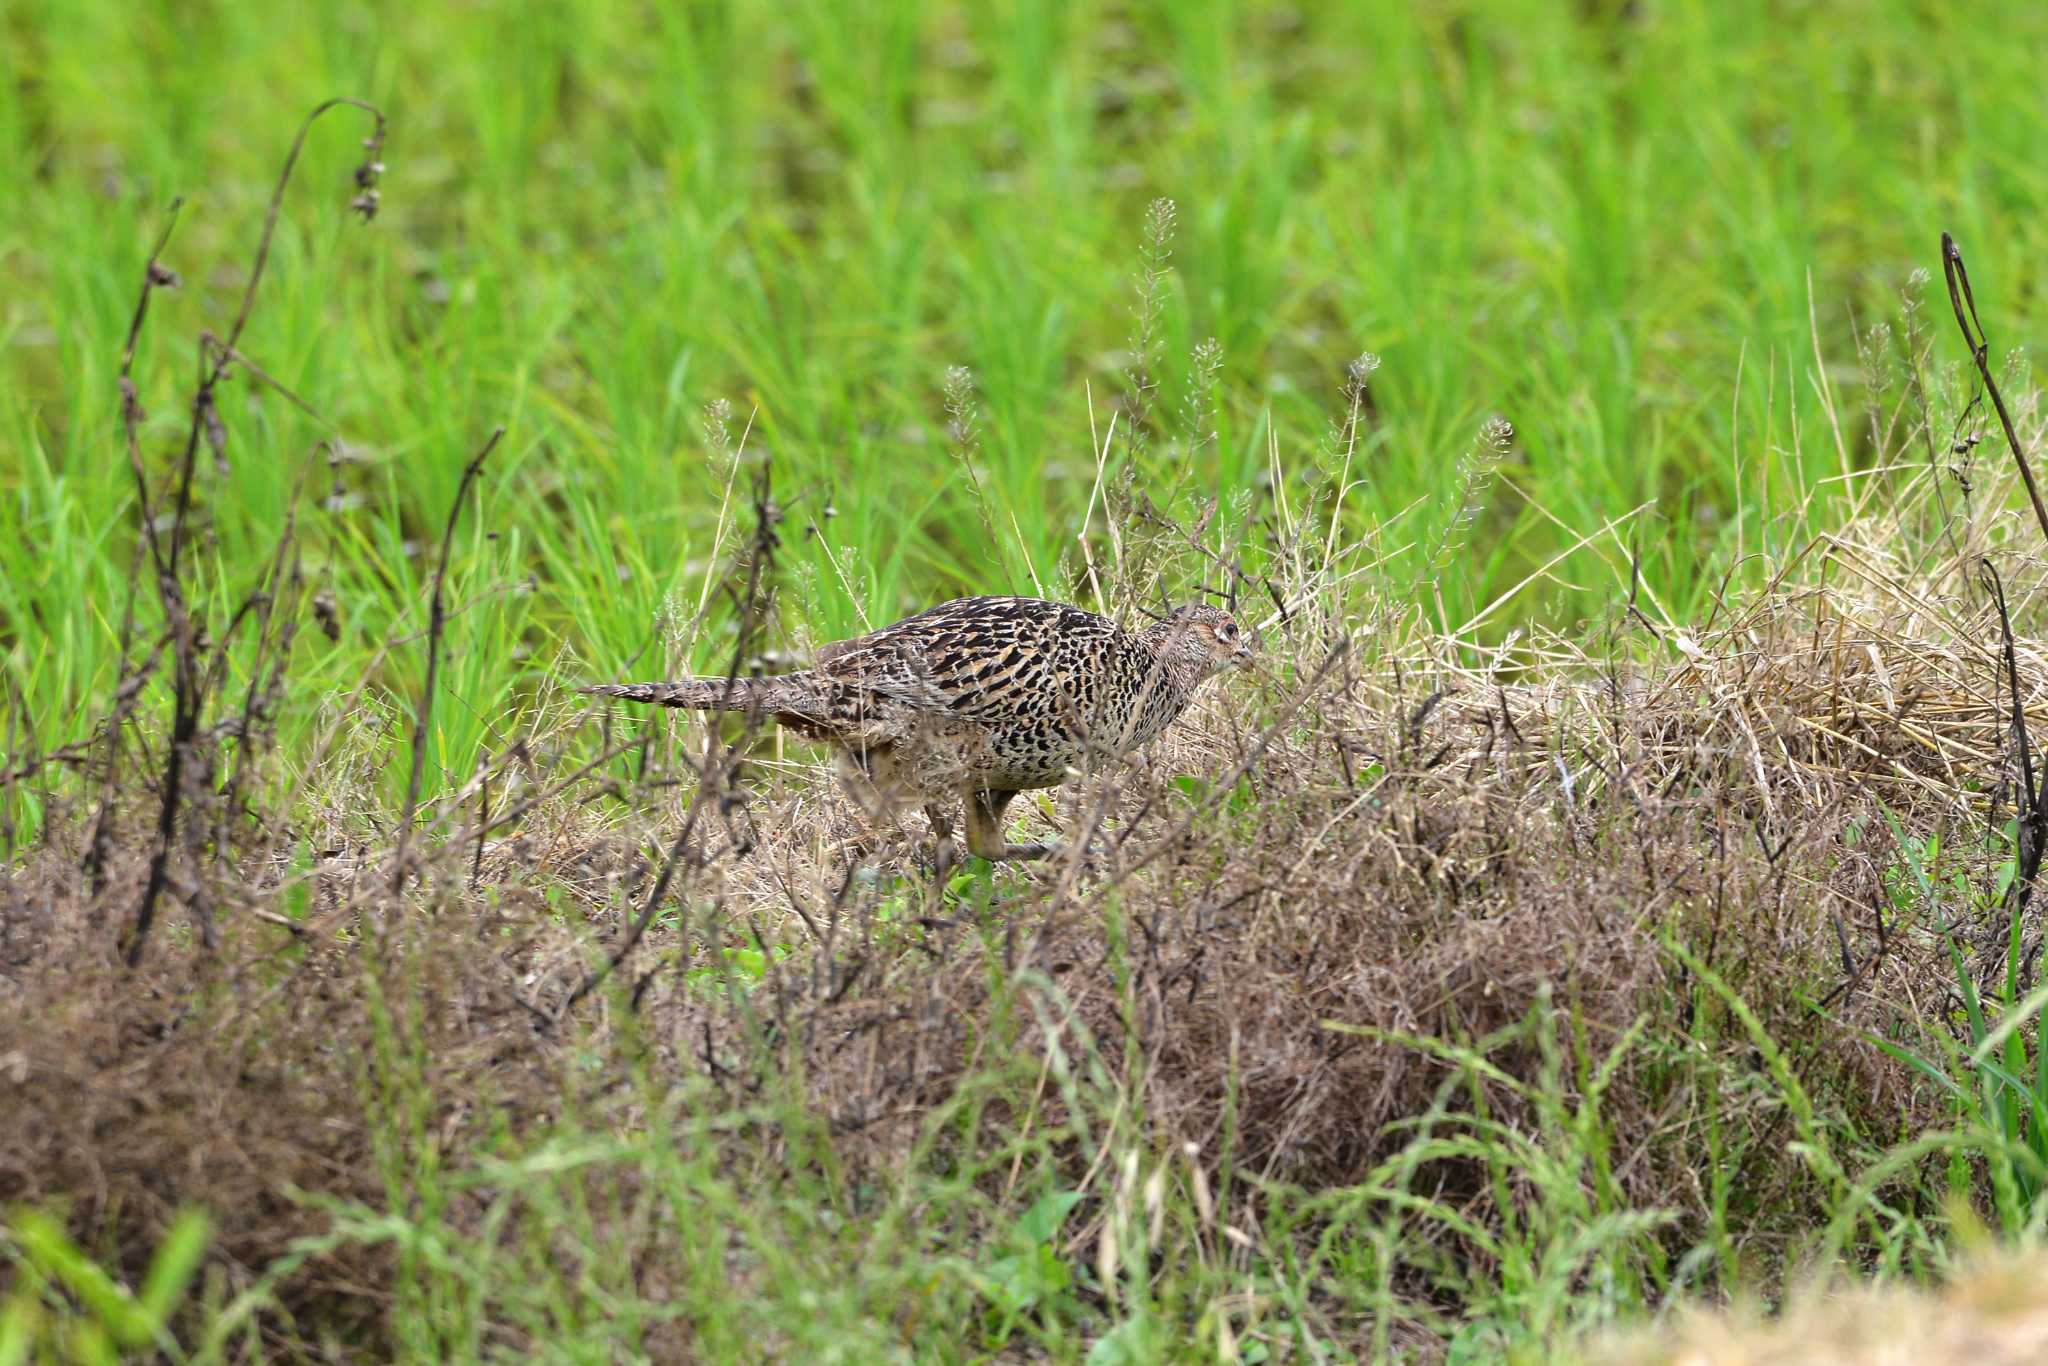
point(215, 355)
point(437, 621)
point(1965, 305)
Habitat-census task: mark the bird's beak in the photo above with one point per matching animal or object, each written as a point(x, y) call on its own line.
point(1241, 657)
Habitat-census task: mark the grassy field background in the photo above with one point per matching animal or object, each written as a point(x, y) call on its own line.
point(1602, 1013)
point(1641, 234)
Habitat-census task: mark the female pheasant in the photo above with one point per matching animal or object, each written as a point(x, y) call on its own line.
point(980, 699)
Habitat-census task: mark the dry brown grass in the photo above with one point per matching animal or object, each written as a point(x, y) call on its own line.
point(1388, 833)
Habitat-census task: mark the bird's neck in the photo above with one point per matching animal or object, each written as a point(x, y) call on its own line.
point(1180, 673)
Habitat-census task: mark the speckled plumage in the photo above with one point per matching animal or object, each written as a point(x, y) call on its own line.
point(979, 698)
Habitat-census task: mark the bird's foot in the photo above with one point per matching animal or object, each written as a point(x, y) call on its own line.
point(939, 858)
point(1057, 852)
point(1091, 858)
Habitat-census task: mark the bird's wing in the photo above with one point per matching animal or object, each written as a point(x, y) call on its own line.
point(972, 659)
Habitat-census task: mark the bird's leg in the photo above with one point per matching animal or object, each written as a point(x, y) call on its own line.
point(859, 778)
point(944, 853)
point(985, 830)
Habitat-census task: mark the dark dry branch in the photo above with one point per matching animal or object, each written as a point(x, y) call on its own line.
point(2032, 808)
point(437, 621)
point(189, 690)
point(1965, 305)
point(2031, 798)
point(366, 176)
point(264, 694)
point(155, 276)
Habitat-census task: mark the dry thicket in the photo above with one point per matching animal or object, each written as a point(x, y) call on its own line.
point(1385, 830)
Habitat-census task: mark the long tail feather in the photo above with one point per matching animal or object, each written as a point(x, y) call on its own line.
point(784, 693)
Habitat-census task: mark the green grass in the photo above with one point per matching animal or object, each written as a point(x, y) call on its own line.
point(1645, 235)
point(1625, 234)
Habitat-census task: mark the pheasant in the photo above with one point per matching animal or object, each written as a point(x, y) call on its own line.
point(979, 699)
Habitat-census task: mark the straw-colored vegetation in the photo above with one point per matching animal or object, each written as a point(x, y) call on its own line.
point(1990, 1313)
point(1608, 902)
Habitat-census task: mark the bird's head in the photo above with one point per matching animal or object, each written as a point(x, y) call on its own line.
point(1202, 638)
